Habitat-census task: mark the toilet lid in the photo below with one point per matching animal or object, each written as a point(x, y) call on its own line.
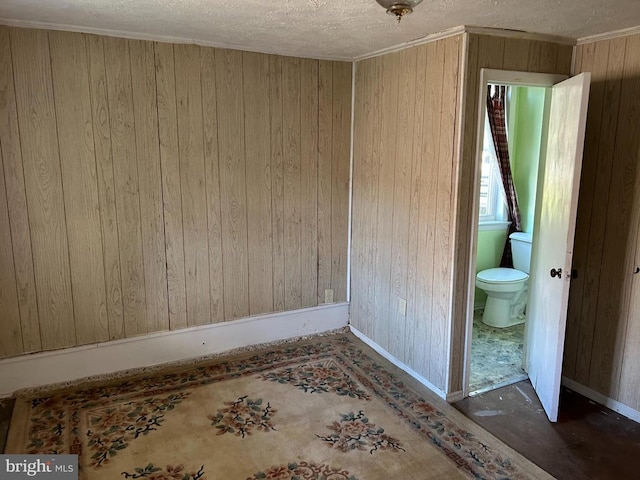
point(501, 275)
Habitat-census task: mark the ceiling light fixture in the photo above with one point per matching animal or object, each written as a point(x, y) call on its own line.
point(399, 8)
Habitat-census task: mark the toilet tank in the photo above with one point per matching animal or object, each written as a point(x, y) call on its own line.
point(521, 250)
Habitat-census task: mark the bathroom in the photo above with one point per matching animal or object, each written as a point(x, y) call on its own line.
point(499, 318)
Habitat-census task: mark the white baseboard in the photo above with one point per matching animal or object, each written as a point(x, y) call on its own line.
point(400, 364)
point(75, 363)
point(597, 397)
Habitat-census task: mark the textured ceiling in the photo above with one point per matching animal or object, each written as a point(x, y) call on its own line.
point(317, 28)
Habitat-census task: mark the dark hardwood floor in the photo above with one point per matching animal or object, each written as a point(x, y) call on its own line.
point(589, 441)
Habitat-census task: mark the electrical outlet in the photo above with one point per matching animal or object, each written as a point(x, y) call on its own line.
point(328, 296)
point(402, 307)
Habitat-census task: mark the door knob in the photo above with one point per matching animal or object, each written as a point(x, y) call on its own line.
point(556, 272)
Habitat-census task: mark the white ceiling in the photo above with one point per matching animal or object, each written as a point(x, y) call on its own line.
point(316, 28)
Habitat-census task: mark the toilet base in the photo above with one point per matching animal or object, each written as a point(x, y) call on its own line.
point(499, 313)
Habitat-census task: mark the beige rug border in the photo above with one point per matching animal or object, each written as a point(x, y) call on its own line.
point(17, 429)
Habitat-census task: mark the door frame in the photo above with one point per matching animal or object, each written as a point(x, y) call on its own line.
point(505, 77)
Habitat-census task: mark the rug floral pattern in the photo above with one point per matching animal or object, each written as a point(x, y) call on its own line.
point(101, 422)
point(241, 416)
point(354, 431)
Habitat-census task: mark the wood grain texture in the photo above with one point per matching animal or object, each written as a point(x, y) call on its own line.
point(70, 70)
point(43, 180)
point(324, 183)
point(277, 180)
point(340, 170)
point(309, 181)
point(401, 200)
point(291, 178)
point(16, 198)
point(106, 185)
point(255, 75)
point(383, 212)
point(212, 172)
point(11, 338)
point(127, 195)
point(151, 186)
point(232, 183)
point(171, 184)
point(143, 81)
point(192, 181)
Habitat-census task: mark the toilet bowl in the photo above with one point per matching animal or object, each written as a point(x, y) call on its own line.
point(506, 288)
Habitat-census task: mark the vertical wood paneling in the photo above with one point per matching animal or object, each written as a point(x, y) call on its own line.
point(401, 200)
point(43, 179)
point(212, 172)
point(308, 181)
point(123, 147)
point(106, 185)
point(384, 212)
point(602, 337)
point(171, 184)
point(427, 228)
point(233, 193)
point(277, 180)
point(291, 177)
point(340, 135)
point(16, 199)
point(143, 81)
point(192, 181)
point(325, 131)
point(255, 69)
point(581, 311)
point(620, 234)
point(70, 70)
point(11, 338)
point(443, 273)
point(164, 186)
point(414, 319)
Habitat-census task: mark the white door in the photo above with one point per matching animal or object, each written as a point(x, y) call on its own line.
point(553, 239)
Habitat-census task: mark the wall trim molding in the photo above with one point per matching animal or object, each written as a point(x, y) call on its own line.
point(400, 365)
point(598, 397)
point(520, 34)
point(153, 38)
point(70, 364)
point(432, 37)
point(623, 32)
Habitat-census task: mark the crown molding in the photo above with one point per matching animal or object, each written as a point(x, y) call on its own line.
point(154, 38)
point(495, 32)
point(520, 34)
point(432, 37)
point(624, 32)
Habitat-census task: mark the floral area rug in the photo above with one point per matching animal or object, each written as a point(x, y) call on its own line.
point(327, 409)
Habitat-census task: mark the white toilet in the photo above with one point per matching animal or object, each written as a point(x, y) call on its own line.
point(506, 288)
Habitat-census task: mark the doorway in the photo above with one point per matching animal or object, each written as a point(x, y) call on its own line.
point(563, 132)
point(497, 344)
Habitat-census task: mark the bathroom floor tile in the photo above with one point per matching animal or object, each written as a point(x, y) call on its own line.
point(496, 355)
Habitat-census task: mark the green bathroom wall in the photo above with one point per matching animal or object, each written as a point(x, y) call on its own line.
point(525, 134)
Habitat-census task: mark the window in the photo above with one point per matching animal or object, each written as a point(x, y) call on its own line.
point(492, 201)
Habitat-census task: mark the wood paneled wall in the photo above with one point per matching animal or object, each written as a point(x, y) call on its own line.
point(502, 53)
point(149, 186)
point(404, 163)
point(602, 344)
point(412, 201)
